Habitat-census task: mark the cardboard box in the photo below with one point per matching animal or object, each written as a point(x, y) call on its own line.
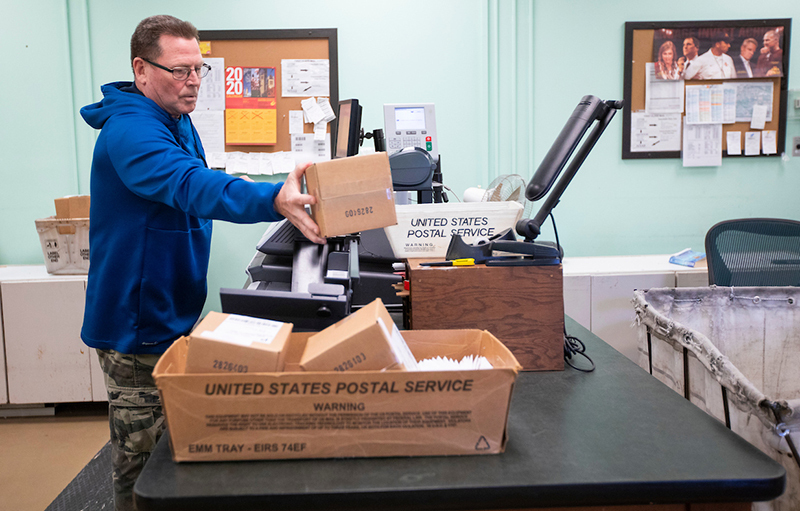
point(353, 194)
point(367, 340)
point(72, 206)
point(229, 343)
point(214, 417)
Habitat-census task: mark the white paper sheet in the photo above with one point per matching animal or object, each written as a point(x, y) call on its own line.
point(216, 160)
point(662, 96)
point(240, 163)
point(305, 77)
point(320, 130)
point(295, 122)
point(312, 150)
point(655, 132)
point(769, 142)
point(283, 162)
point(211, 95)
point(734, 143)
point(210, 125)
point(759, 117)
point(314, 113)
point(702, 145)
point(752, 143)
point(325, 106)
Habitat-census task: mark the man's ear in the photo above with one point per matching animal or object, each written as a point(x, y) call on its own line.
point(139, 72)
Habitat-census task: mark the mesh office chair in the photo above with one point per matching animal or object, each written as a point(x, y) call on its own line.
point(754, 252)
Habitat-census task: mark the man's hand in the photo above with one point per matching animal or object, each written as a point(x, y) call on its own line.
point(291, 202)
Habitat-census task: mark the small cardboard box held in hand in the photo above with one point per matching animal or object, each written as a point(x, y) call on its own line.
point(214, 417)
point(229, 343)
point(353, 194)
point(367, 340)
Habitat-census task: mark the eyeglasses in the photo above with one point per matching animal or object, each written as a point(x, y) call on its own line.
point(182, 73)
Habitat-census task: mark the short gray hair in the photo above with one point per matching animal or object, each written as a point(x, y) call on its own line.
point(145, 39)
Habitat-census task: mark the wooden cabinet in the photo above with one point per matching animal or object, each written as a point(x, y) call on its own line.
point(45, 359)
point(521, 305)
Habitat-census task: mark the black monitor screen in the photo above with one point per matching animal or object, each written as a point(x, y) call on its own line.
point(348, 127)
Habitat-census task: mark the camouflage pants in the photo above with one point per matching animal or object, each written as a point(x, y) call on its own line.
point(134, 416)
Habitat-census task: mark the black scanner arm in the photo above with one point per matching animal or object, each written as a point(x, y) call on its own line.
point(589, 110)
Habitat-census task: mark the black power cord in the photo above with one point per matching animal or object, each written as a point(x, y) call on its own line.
point(572, 345)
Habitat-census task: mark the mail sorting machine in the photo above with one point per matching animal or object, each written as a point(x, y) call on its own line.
point(313, 286)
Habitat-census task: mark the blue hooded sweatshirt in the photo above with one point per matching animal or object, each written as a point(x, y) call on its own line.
point(153, 199)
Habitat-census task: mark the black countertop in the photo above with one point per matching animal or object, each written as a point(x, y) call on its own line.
point(610, 437)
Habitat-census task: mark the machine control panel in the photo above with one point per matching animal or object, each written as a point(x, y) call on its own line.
point(410, 125)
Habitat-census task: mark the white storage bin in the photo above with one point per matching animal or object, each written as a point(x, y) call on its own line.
point(65, 245)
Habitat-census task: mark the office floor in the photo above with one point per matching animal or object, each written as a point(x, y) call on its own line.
point(39, 456)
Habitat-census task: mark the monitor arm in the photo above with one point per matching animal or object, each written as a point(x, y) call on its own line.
point(589, 110)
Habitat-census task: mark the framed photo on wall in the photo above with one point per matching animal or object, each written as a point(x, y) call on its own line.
point(685, 76)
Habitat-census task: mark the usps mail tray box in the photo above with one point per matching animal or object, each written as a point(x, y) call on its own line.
point(296, 414)
point(425, 230)
point(353, 194)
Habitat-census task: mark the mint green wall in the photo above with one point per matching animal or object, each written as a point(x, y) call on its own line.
point(627, 207)
point(36, 123)
point(504, 75)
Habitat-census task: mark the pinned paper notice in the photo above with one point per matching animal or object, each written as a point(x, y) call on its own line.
point(210, 126)
point(211, 95)
point(305, 77)
point(313, 111)
point(759, 117)
point(752, 143)
point(216, 160)
point(702, 145)
point(311, 149)
point(662, 96)
point(320, 129)
point(734, 143)
point(282, 162)
point(295, 122)
point(769, 144)
point(325, 106)
point(255, 164)
point(655, 132)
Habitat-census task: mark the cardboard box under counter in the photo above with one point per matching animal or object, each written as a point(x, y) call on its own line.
point(353, 194)
point(215, 417)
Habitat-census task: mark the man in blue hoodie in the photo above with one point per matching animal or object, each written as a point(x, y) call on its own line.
point(153, 199)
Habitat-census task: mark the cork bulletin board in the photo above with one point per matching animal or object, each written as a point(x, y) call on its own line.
point(644, 42)
point(266, 49)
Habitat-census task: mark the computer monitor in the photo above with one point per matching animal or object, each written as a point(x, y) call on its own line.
point(348, 128)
